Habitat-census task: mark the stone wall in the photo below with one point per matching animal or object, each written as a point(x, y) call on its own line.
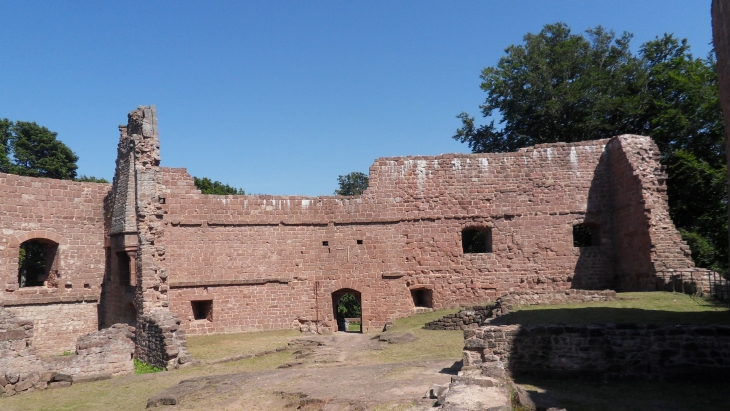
point(58, 326)
point(611, 351)
point(98, 355)
point(160, 340)
point(64, 212)
point(405, 232)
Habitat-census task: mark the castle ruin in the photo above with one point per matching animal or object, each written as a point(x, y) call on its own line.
point(153, 252)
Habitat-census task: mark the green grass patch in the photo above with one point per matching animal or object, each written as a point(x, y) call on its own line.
point(144, 368)
point(218, 346)
point(646, 307)
point(430, 344)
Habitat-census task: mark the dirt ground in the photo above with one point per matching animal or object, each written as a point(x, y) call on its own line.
point(330, 373)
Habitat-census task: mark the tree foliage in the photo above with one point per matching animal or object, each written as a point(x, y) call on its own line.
point(207, 186)
point(352, 184)
point(28, 149)
point(90, 179)
point(348, 307)
point(561, 86)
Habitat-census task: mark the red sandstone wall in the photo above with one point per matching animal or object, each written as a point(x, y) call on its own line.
point(70, 214)
point(647, 244)
point(258, 257)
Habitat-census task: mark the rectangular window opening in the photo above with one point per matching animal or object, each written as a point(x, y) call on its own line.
point(476, 240)
point(422, 298)
point(586, 235)
point(124, 268)
point(203, 310)
point(359, 242)
point(325, 243)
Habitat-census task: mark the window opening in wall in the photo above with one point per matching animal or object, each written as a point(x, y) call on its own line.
point(203, 310)
point(348, 310)
point(359, 241)
point(325, 243)
point(476, 240)
point(586, 235)
point(422, 297)
point(36, 263)
point(124, 269)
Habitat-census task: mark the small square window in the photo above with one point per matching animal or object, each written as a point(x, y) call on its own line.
point(476, 240)
point(359, 242)
point(422, 298)
point(325, 243)
point(202, 310)
point(586, 235)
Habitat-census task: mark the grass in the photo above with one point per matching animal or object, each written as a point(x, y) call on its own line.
point(650, 307)
point(430, 344)
point(144, 368)
point(131, 392)
point(218, 346)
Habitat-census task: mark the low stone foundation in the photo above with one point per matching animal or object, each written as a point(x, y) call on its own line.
point(101, 354)
point(472, 317)
point(611, 351)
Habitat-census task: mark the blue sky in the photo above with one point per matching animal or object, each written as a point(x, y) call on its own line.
point(281, 97)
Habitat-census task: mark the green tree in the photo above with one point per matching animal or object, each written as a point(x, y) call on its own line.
point(28, 149)
point(90, 179)
point(560, 86)
point(207, 186)
point(348, 307)
point(352, 184)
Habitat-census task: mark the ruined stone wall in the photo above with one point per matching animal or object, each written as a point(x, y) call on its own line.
point(98, 355)
point(611, 351)
point(259, 259)
point(58, 326)
point(71, 215)
point(647, 244)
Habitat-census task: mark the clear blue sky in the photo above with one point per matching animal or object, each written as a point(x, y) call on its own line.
point(281, 97)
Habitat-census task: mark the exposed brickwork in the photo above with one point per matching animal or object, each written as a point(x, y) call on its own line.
point(58, 326)
point(612, 351)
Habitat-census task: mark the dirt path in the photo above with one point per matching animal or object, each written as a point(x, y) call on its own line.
point(330, 373)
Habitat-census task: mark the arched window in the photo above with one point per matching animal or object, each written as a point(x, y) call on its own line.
point(476, 240)
point(37, 263)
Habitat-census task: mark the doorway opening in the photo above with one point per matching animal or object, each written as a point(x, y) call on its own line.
point(347, 307)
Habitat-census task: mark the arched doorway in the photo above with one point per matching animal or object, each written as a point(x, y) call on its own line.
point(347, 309)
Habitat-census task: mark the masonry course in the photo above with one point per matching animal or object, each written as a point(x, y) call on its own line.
point(149, 249)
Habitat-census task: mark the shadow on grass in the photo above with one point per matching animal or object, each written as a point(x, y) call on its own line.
point(606, 315)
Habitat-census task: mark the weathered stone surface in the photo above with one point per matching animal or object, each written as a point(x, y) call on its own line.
point(611, 351)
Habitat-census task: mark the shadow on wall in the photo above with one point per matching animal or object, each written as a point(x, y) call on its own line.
point(591, 237)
